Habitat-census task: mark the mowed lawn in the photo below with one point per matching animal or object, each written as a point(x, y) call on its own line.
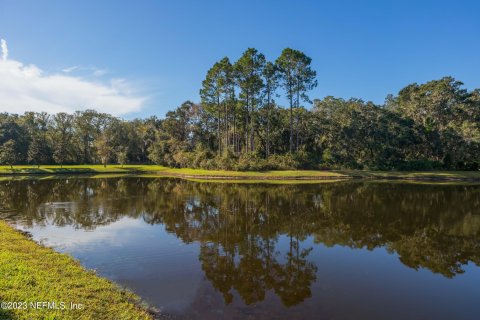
point(77, 169)
point(114, 168)
point(215, 174)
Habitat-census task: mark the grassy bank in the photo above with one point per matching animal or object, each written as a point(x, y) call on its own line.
point(240, 175)
point(78, 169)
point(31, 273)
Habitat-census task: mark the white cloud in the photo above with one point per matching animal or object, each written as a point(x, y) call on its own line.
point(90, 70)
point(3, 45)
point(70, 69)
point(99, 72)
point(28, 88)
point(70, 238)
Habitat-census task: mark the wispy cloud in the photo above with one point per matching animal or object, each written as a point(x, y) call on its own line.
point(28, 88)
point(94, 71)
point(99, 72)
point(3, 45)
point(70, 69)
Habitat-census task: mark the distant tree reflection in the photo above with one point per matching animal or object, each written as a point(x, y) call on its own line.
point(253, 238)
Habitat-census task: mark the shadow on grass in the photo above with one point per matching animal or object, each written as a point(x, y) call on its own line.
point(7, 315)
point(27, 170)
point(50, 170)
point(131, 169)
point(71, 170)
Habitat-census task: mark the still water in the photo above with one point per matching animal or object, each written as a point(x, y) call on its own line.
point(343, 250)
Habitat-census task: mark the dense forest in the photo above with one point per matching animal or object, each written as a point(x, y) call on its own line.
point(239, 125)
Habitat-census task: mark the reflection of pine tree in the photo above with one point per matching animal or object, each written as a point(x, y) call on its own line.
point(219, 269)
point(434, 227)
point(253, 228)
point(251, 273)
point(258, 271)
point(296, 276)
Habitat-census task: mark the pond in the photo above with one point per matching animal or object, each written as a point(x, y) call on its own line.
point(339, 250)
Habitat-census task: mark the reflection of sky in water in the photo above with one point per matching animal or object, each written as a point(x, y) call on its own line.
point(68, 238)
point(347, 284)
point(374, 284)
point(157, 265)
point(167, 273)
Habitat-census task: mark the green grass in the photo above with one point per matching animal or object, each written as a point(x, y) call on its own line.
point(94, 169)
point(233, 175)
point(253, 174)
point(30, 272)
point(78, 169)
point(415, 175)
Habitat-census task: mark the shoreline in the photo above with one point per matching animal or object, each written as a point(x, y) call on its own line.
point(49, 284)
point(223, 175)
point(274, 175)
point(432, 177)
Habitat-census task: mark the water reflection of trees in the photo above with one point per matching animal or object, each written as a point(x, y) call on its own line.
point(252, 237)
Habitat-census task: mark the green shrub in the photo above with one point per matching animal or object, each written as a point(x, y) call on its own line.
point(226, 161)
point(420, 165)
point(282, 162)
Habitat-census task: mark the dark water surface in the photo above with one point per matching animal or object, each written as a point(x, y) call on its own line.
point(346, 250)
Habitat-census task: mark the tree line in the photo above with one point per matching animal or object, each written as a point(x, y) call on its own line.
point(240, 125)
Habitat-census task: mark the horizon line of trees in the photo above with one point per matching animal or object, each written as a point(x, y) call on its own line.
point(238, 125)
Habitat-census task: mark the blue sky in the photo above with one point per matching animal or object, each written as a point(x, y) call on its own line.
point(153, 55)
